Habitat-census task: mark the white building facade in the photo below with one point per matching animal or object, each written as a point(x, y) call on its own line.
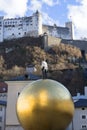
point(20, 27)
point(3, 104)
point(2, 115)
point(32, 26)
point(79, 121)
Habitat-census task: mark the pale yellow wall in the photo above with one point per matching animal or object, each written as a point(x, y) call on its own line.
point(13, 88)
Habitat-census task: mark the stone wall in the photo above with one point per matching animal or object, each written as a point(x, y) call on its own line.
point(48, 41)
point(59, 32)
point(53, 41)
point(82, 45)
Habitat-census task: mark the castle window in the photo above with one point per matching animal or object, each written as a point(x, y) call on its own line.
point(83, 126)
point(83, 108)
point(83, 116)
point(24, 33)
point(12, 34)
point(0, 119)
point(13, 25)
point(19, 28)
point(0, 108)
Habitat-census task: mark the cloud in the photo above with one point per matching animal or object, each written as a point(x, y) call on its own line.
point(51, 2)
point(48, 20)
point(39, 4)
point(78, 15)
point(12, 8)
point(35, 5)
point(19, 8)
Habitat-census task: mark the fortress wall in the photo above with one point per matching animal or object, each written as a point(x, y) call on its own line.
point(82, 45)
point(48, 41)
point(32, 26)
point(53, 41)
point(58, 32)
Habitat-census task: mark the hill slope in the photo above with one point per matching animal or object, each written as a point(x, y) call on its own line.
point(16, 54)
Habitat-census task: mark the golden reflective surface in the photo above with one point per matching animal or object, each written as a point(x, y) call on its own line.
point(44, 105)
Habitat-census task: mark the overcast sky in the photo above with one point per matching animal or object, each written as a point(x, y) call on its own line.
point(53, 11)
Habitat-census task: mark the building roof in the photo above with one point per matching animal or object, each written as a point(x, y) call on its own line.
point(80, 103)
point(3, 87)
point(26, 77)
point(4, 103)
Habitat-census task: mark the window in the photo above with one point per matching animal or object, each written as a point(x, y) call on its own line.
point(83, 108)
point(83, 126)
point(83, 116)
point(12, 34)
point(24, 33)
point(18, 93)
point(0, 108)
point(0, 119)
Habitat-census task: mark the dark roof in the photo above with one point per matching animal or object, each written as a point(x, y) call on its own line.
point(3, 87)
point(57, 27)
point(81, 103)
point(26, 77)
point(4, 103)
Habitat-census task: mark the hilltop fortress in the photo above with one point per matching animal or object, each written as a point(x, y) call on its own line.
point(32, 26)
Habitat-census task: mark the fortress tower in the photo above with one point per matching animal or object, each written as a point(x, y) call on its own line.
point(1, 29)
point(37, 23)
point(71, 29)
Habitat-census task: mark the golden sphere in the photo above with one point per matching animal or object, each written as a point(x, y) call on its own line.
point(43, 105)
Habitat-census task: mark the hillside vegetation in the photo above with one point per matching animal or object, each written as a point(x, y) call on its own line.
point(63, 61)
